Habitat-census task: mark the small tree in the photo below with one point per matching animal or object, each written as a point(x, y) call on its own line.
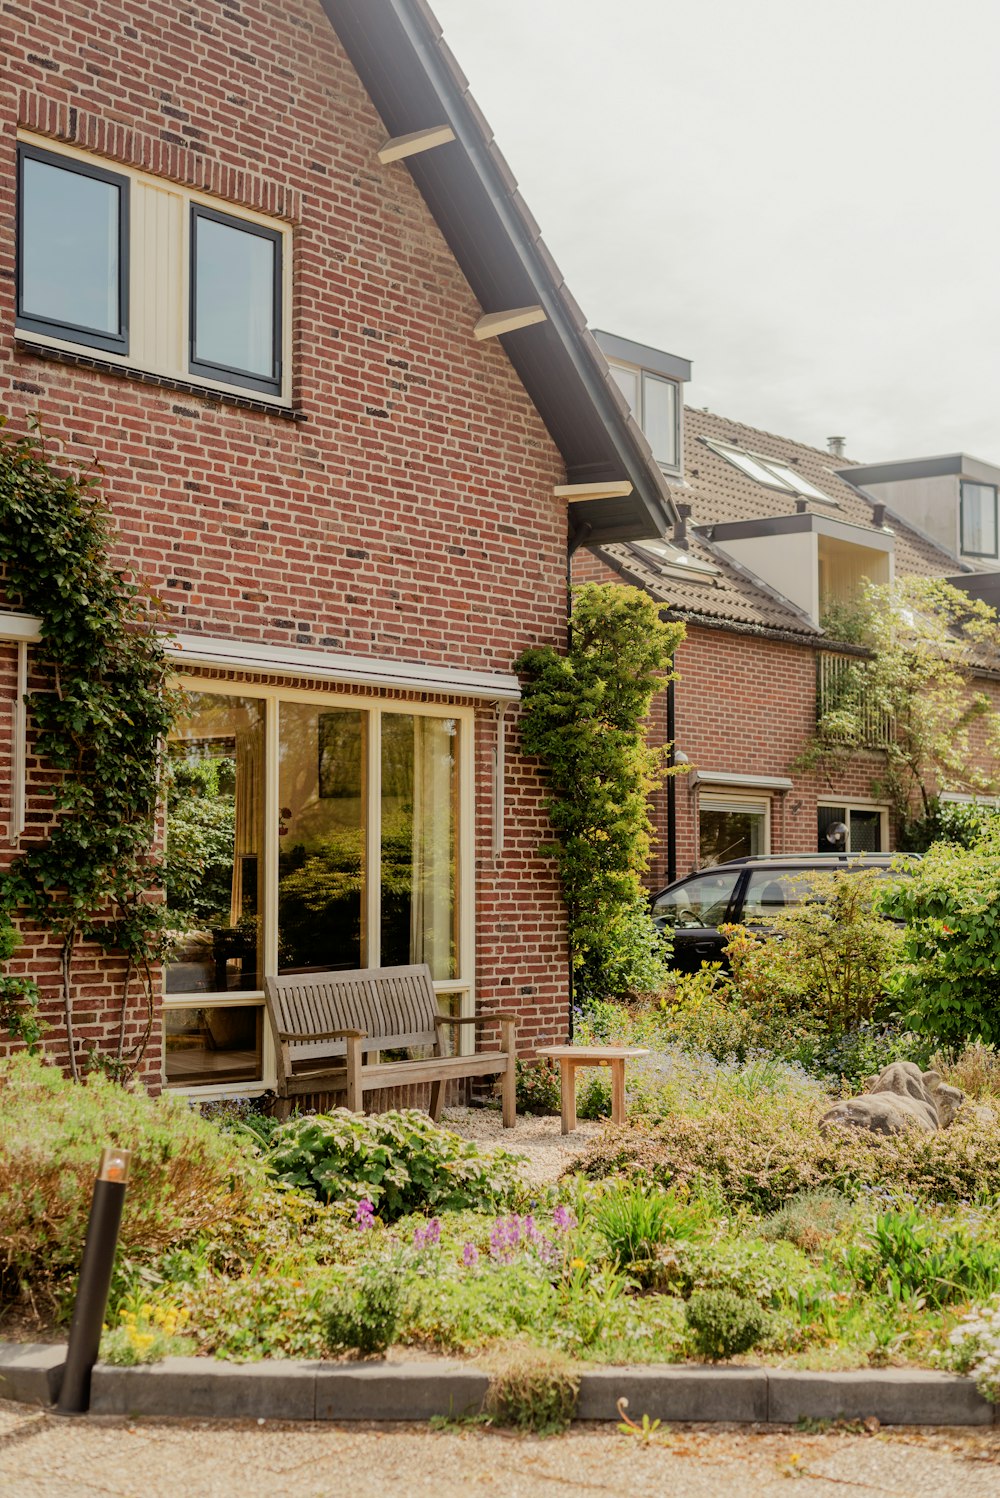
point(585, 717)
point(924, 640)
point(946, 986)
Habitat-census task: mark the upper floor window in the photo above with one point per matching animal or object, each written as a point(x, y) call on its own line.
point(979, 520)
point(152, 273)
point(72, 264)
point(771, 472)
point(655, 405)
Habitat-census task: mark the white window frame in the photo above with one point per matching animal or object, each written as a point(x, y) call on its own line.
point(860, 805)
point(639, 412)
point(158, 278)
point(751, 805)
point(966, 551)
point(463, 984)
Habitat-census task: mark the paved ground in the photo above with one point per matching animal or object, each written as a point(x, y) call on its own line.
point(42, 1456)
point(540, 1140)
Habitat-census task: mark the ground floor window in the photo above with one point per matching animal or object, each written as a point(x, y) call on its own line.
point(732, 827)
point(305, 832)
point(843, 828)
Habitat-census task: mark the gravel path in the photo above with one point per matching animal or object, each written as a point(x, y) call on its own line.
point(42, 1456)
point(547, 1149)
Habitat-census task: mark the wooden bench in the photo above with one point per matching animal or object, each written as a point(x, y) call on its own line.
point(326, 1024)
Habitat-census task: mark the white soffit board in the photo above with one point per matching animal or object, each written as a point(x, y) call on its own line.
point(371, 671)
point(20, 627)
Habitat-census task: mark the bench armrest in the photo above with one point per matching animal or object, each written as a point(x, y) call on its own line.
point(309, 1036)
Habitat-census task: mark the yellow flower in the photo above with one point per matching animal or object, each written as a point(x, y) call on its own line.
point(578, 1263)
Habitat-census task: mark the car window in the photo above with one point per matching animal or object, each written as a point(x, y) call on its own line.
point(770, 891)
point(696, 902)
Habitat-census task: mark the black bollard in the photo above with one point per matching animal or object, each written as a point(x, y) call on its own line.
point(96, 1268)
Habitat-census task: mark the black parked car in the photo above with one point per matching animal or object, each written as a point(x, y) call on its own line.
point(745, 891)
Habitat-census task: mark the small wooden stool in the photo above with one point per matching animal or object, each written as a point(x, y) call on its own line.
point(572, 1057)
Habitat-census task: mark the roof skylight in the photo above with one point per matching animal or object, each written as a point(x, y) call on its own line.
point(676, 557)
point(771, 472)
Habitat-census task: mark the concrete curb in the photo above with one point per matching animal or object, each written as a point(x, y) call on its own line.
point(205, 1388)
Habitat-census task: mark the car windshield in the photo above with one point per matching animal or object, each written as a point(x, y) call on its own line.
point(701, 901)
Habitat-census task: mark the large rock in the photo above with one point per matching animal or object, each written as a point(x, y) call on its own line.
point(900, 1097)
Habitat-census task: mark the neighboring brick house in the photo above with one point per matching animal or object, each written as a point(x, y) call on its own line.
point(349, 418)
point(770, 531)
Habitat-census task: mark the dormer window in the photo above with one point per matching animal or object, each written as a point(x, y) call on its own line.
point(979, 520)
point(771, 472)
point(655, 406)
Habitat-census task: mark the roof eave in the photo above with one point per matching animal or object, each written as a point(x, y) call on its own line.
point(396, 48)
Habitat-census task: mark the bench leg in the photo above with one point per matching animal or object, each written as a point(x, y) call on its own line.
point(282, 1109)
point(355, 1092)
point(508, 1039)
point(437, 1100)
point(567, 1094)
point(618, 1091)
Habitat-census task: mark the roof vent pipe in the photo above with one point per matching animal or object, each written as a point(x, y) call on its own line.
point(836, 445)
point(800, 507)
point(680, 526)
point(878, 516)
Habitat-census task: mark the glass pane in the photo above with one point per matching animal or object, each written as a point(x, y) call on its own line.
point(756, 470)
point(769, 892)
point(215, 830)
point(797, 482)
point(730, 834)
point(321, 859)
point(659, 418)
point(69, 248)
point(213, 1045)
point(866, 832)
point(419, 785)
point(831, 829)
point(234, 305)
point(979, 520)
point(698, 902)
point(627, 381)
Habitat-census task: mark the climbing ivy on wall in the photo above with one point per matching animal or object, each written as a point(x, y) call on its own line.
point(100, 720)
point(585, 716)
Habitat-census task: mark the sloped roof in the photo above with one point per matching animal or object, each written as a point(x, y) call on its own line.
point(719, 492)
point(398, 51)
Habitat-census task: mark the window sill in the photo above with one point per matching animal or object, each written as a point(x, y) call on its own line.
point(27, 345)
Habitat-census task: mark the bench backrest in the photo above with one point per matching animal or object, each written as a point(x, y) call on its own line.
point(394, 1006)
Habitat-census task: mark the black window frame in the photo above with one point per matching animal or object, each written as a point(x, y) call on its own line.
point(230, 374)
point(67, 332)
point(966, 551)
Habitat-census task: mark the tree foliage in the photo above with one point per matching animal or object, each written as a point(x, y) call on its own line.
point(946, 983)
point(585, 717)
point(99, 719)
point(923, 641)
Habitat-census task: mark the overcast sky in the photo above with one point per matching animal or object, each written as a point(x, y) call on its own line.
point(801, 196)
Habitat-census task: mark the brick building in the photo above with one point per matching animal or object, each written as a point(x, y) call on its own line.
point(264, 262)
point(770, 532)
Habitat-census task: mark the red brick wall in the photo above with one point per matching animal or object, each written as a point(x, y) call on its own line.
point(410, 514)
point(744, 705)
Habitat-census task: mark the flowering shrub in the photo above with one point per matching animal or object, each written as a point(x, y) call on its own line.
point(974, 1347)
point(396, 1162)
point(537, 1087)
point(147, 1335)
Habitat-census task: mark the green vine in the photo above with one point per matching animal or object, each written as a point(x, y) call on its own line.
point(585, 716)
point(100, 718)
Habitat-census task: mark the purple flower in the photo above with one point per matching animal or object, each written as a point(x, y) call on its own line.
point(428, 1237)
point(470, 1255)
point(364, 1214)
point(563, 1219)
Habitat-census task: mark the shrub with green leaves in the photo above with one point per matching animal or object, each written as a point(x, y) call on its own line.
point(185, 1175)
point(724, 1324)
point(585, 717)
point(537, 1087)
point(810, 1219)
point(635, 1220)
point(946, 982)
point(401, 1162)
point(364, 1316)
point(908, 1254)
point(758, 1152)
